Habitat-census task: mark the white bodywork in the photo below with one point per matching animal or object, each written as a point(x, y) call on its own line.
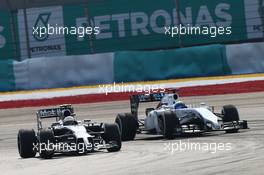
point(79, 131)
point(151, 121)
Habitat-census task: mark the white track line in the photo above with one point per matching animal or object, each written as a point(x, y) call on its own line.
point(33, 95)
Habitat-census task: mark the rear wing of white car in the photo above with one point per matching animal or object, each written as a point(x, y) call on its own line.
point(143, 98)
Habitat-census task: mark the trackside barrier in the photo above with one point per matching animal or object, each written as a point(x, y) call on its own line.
point(7, 79)
point(246, 58)
point(68, 71)
point(177, 63)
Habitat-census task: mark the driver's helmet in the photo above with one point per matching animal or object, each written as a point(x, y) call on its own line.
point(179, 105)
point(169, 99)
point(69, 120)
point(65, 113)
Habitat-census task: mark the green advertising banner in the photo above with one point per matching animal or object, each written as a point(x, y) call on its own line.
point(141, 25)
point(130, 25)
point(75, 16)
point(220, 21)
point(7, 45)
point(124, 25)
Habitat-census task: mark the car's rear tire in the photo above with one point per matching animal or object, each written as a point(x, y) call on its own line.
point(47, 140)
point(230, 114)
point(112, 134)
point(26, 140)
point(168, 122)
point(127, 125)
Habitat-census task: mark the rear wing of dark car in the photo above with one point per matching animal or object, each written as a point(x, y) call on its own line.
point(143, 98)
point(57, 113)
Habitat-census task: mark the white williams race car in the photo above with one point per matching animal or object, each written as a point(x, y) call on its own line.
point(67, 135)
point(172, 117)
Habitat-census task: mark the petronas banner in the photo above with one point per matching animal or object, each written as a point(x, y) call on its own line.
point(134, 25)
point(48, 44)
point(139, 25)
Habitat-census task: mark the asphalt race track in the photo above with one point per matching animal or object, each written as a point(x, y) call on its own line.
point(147, 154)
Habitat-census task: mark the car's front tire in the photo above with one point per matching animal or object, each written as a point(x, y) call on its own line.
point(112, 134)
point(26, 140)
point(47, 140)
point(230, 114)
point(168, 124)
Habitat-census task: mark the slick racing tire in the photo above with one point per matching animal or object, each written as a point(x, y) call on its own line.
point(26, 140)
point(47, 140)
point(230, 113)
point(168, 123)
point(127, 125)
point(112, 135)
